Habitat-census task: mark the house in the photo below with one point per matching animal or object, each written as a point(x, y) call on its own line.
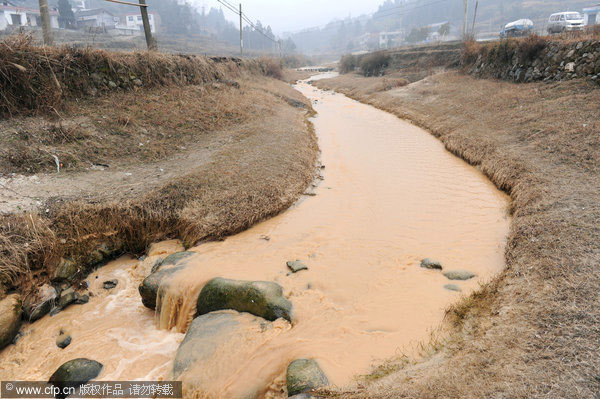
point(368, 41)
point(390, 39)
point(16, 16)
point(134, 21)
point(96, 18)
point(590, 15)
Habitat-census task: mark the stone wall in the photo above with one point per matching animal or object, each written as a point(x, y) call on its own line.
point(534, 59)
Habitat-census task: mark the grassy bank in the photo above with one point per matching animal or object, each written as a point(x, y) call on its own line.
point(532, 332)
point(195, 158)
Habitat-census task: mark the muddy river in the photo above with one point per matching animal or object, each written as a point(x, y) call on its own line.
point(390, 195)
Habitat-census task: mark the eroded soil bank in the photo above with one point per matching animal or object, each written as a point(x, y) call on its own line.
point(534, 331)
point(390, 195)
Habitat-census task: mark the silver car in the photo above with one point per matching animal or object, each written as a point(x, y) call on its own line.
point(565, 22)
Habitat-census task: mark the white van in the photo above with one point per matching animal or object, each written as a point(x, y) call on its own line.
point(565, 21)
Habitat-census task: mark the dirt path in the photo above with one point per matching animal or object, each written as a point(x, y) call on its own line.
point(120, 181)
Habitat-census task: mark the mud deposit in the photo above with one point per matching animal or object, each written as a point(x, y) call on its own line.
point(390, 195)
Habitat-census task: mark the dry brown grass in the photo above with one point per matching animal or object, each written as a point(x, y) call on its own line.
point(41, 78)
point(533, 332)
point(94, 131)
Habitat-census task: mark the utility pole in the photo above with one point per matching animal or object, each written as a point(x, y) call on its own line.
point(466, 3)
point(279, 45)
point(150, 42)
point(474, 18)
point(241, 34)
point(46, 27)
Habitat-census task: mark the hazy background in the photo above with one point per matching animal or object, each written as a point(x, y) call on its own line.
point(311, 27)
point(293, 15)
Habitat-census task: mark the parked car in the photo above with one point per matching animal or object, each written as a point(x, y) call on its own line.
point(565, 21)
point(522, 27)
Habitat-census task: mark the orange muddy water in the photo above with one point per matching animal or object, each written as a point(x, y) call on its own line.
point(390, 195)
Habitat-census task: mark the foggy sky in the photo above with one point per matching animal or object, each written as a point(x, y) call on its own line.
point(293, 15)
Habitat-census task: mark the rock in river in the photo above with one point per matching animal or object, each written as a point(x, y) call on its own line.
point(110, 284)
point(452, 287)
point(210, 332)
point(149, 287)
point(431, 264)
point(171, 260)
point(10, 318)
point(304, 375)
point(296, 265)
point(76, 372)
point(63, 340)
point(260, 298)
point(458, 275)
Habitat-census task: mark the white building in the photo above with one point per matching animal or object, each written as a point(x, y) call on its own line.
point(96, 18)
point(134, 21)
point(13, 16)
point(590, 15)
point(389, 39)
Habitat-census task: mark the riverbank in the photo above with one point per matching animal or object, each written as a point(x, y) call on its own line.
point(210, 148)
point(533, 331)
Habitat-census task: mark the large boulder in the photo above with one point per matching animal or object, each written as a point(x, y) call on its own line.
point(304, 375)
point(206, 334)
point(170, 260)
point(207, 357)
point(149, 287)
point(260, 298)
point(10, 318)
point(76, 372)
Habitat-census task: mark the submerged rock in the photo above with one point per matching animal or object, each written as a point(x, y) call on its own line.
point(63, 340)
point(429, 263)
point(296, 265)
point(459, 275)
point(260, 298)
point(10, 318)
point(76, 372)
point(171, 260)
point(110, 284)
point(452, 287)
point(304, 375)
point(149, 287)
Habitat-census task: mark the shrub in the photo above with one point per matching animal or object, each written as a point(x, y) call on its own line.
point(531, 46)
point(374, 64)
point(470, 52)
point(348, 63)
point(271, 67)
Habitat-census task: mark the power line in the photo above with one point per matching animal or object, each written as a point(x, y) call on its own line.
point(403, 11)
point(245, 17)
point(228, 6)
